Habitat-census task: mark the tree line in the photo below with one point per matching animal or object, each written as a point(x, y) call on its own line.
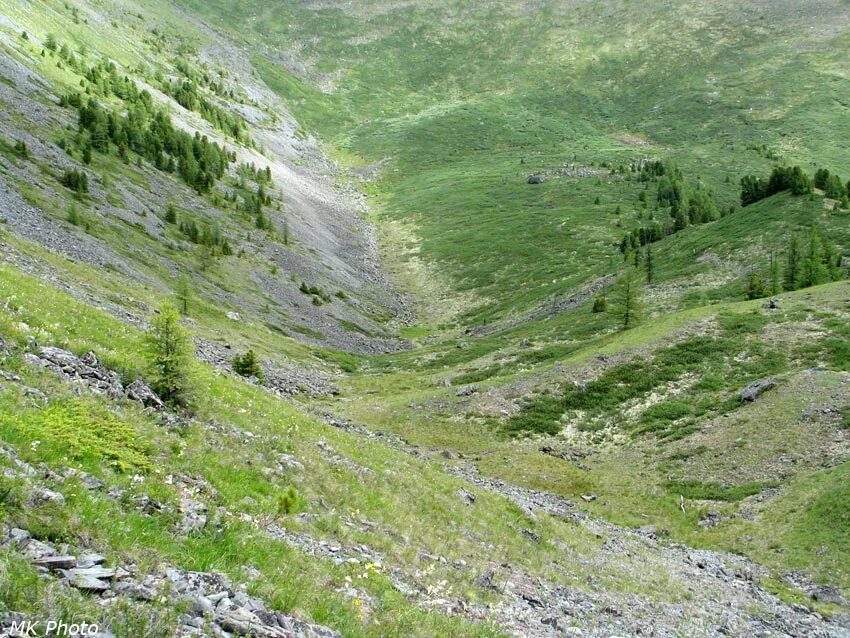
point(782, 178)
point(148, 131)
point(809, 260)
point(686, 204)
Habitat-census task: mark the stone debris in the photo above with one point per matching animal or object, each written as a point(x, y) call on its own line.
point(214, 601)
point(88, 371)
point(290, 380)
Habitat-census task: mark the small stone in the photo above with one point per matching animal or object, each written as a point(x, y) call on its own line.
point(756, 389)
point(533, 536)
point(90, 560)
point(466, 495)
point(134, 590)
point(202, 606)
point(141, 392)
point(828, 594)
point(485, 580)
point(17, 537)
point(97, 572)
point(36, 549)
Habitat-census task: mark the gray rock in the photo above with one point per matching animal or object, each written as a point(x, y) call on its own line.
point(17, 537)
point(756, 389)
point(35, 550)
point(241, 599)
point(141, 392)
point(466, 495)
point(467, 390)
point(535, 179)
point(137, 591)
point(485, 579)
point(289, 462)
point(828, 594)
point(711, 519)
point(41, 495)
point(89, 584)
point(96, 571)
point(202, 606)
point(531, 535)
point(57, 562)
point(89, 481)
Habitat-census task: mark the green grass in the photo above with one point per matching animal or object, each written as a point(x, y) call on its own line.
point(712, 492)
point(462, 140)
point(85, 433)
point(603, 397)
point(722, 89)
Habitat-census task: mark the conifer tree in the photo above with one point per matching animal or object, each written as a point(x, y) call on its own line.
point(600, 304)
point(184, 294)
point(775, 275)
point(247, 365)
point(626, 298)
point(792, 265)
point(167, 348)
point(814, 270)
point(755, 286)
point(650, 265)
point(171, 214)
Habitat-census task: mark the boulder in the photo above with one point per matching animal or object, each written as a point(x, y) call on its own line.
point(95, 571)
point(485, 580)
point(88, 583)
point(535, 179)
point(141, 392)
point(466, 495)
point(756, 389)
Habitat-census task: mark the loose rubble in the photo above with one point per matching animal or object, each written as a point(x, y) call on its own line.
point(88, 371)
point(216, 605)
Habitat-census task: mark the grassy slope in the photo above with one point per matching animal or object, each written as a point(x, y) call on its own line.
point(459, 96)
point(716, 454)
point(487, 95)
point(468, 101)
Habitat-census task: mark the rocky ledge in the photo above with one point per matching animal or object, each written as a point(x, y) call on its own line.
point(216, 606)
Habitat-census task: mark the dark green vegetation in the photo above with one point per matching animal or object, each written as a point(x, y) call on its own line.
point(247, 365)
point(149, 132)
point(167, 349)
point(605, 401)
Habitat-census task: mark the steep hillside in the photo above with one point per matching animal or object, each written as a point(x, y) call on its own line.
point(309, 229)
point(438, 318)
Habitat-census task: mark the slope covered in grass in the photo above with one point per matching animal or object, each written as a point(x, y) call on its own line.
point(465, 101)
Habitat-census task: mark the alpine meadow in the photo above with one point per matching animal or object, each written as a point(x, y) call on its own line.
point(425, 318)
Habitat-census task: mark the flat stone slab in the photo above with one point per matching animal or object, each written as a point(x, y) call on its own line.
point(87, 583)
point(92, 572)
point(57, 562)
